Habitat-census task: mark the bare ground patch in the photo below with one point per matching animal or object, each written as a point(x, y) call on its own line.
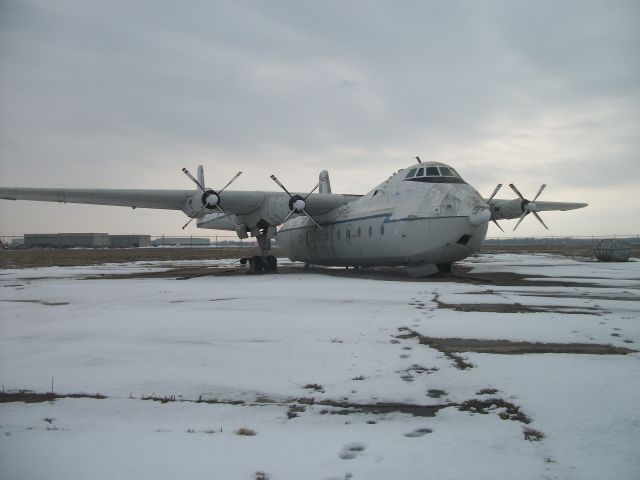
point(451, 346)
point(517, 308)
point(28, 396)
point(40, 302)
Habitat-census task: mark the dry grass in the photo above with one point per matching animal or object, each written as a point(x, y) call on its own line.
point(247, 432)
point(72, 257)
point(487, 391)
point(532, 434)
point(314, 386)
point(509, 410)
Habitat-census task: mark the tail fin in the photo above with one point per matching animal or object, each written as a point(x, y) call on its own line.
point(201, 175)
point(325, 184)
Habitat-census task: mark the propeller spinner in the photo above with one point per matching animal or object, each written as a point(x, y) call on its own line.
point(210, 198)
point(297, 203)
point(529, 206)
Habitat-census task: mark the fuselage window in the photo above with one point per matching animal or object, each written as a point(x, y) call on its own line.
point(359, 231)
point(432, 172)
point(412, 173)
point(381, 229)
point(348, 234)
point(446, 172)
point(420, 172)
point(370, 230)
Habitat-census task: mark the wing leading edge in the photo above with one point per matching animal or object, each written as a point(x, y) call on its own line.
point(135, 198)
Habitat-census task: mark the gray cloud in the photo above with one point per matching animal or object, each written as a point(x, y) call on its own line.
point(112, 94)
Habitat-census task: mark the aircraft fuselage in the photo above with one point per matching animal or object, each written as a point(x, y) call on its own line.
point(400, 222)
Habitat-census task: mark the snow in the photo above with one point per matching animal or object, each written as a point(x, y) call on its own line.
point(259, 339)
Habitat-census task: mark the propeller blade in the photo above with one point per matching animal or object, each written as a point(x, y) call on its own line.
point(286, 218)
point(186, 172)
point(275, 179)
point(314, 189)
point(539, 192)
point(524, 214)
point(230, 182)
point(314, 221)
point(195, 216)
point(540, 220)
point(497, 224)
point(513, 187)
point(228, 216)
point(494, 192)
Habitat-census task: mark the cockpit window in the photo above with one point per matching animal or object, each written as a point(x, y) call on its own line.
point(433, 174)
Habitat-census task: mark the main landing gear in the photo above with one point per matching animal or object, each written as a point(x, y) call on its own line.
point(258, 264)
point(263, 263)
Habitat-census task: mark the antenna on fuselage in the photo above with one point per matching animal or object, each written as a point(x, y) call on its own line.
point(418, 158)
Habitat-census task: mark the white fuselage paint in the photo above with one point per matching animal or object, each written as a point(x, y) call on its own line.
point(400, 222)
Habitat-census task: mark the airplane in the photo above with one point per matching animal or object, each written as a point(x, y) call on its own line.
point(423, 218)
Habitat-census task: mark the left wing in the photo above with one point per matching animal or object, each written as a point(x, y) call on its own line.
point(506, 209)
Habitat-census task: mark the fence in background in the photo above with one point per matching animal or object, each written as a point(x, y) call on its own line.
point(165, 241)
point(217, 241)
point(577, 240)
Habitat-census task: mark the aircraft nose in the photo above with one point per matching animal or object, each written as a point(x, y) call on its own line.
point(479, 215)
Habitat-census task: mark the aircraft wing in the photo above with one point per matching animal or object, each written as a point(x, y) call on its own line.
point(235, 202)
point(548, 206)
point(162, 199)
point(507, 209)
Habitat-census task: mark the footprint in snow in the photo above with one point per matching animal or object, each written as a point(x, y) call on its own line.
point(352, 450)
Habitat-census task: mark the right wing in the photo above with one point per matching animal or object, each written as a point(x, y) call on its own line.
point(240, 203)
point(134, 198)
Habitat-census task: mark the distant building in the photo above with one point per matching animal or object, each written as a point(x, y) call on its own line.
point(66, 240)
point(181, 242)
point(129, 241)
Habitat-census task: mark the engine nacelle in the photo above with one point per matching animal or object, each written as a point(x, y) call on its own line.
point(193, 205)
point(505, 209)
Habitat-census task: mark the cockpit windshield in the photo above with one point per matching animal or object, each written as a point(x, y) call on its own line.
point(434, 175)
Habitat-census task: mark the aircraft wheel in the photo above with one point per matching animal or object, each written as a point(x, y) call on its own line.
point(256, 264)
point(272, 264)
point(444, 267)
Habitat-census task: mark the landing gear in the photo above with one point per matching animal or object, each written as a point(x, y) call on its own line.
point(444, 267)
point(263, 263)
point(258, 264)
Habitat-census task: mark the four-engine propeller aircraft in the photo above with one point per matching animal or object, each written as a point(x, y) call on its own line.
point(424, 217)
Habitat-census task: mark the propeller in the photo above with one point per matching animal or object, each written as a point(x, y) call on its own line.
point(210, 198)
point(529, 206)
point(297, 203)
point(495, 190)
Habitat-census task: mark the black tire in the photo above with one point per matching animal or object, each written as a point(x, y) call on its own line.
point(256, 264)
point(272, 264)
point(444, 267)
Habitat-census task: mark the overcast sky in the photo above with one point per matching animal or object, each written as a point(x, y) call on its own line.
point(122, 94)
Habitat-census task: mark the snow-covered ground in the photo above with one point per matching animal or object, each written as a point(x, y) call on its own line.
point(253, 343)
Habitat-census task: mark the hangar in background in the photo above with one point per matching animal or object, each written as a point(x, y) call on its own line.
point(84, 240)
